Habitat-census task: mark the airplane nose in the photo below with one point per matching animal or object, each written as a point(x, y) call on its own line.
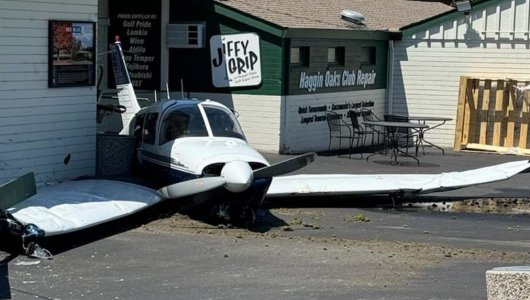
point(238, 176)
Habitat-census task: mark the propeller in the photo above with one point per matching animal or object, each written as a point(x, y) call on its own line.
point(236, 176)
point(285, 166)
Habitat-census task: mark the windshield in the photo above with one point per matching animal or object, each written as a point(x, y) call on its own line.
point(185, 121)
point(223, 122)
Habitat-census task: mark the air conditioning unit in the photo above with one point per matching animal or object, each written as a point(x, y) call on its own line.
point(189, 35)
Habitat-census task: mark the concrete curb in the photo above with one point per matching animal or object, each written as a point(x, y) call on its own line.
point(508, 283)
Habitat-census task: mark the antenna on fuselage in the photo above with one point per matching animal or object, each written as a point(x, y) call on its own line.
point(167, 90)
point(155, 95)
point(182, 88)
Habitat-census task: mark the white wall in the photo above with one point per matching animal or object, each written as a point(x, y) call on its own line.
point(427, 64)
point(301, 136)
point(40, 126)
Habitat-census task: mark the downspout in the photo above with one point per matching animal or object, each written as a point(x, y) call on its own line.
point(284, 130)
point(390, 78)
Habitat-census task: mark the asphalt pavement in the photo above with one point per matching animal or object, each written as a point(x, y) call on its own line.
point(316, 250)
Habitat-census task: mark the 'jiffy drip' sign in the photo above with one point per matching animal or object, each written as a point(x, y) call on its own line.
point(235, 60)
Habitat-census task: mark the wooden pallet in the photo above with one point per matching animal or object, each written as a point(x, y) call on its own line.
point(492, 115)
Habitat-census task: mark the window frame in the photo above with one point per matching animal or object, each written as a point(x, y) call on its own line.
point(339, 54)
point(304, 53)
point(368, 56)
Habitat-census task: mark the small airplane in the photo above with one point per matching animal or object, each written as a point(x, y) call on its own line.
point(197, 149)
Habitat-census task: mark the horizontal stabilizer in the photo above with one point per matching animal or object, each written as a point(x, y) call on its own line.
point(349, 184)
point(285, 166)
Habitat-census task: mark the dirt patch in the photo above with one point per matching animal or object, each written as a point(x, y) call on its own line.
point(296, 221)
point(511, 206)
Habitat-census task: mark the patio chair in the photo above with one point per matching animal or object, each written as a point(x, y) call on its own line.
point(339, 129)
point(359, 130)
point(368, 115)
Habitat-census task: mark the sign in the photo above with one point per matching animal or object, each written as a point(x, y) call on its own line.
point(235, 60)
point(313, 114)
point(138, 26)
point(71, 54)
point(312, 82)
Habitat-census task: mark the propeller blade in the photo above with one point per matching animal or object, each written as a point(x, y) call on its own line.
point(191, 187)
point(285, 166)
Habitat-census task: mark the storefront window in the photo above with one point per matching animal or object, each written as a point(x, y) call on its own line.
point(336, 56)
point(300, 56)
point(368, 55)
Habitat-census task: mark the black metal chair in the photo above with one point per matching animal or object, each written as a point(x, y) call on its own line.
point(339, 129)
point(368, 115)
point(360, 131)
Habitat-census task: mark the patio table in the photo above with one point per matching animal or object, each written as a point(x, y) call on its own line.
point(421, 131)
point(390, 131)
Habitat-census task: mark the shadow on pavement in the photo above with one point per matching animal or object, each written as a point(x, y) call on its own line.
point(5, 287)
point(264, 221)
point(330, 201)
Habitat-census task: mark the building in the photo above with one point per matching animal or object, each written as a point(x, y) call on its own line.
point(50, 131)
point(311, 60)
point(404, 57)
point(491, 41)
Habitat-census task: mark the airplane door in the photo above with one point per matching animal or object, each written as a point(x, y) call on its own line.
point(146, 133)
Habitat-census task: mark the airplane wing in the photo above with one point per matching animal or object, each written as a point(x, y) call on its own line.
point(74, 205)
point(348, 184)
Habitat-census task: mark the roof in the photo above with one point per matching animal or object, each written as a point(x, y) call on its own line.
point(317, 14)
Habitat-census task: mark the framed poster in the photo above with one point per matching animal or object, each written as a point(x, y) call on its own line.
point(71, 53)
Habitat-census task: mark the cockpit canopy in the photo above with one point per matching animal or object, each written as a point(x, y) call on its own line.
point(186, 119)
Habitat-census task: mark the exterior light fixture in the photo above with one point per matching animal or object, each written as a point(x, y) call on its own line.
point(463, 6)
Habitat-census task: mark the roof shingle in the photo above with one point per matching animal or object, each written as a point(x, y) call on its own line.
point(320, 14)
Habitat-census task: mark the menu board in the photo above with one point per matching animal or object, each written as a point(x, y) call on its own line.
point(71, 56)
point(139, 28)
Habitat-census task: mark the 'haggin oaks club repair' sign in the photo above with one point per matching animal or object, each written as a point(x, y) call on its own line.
point(236, 60)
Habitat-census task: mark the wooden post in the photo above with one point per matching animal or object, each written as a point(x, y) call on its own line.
point(470, 113)
point(498, 115)
point(525, 120)
point(459, 126)
point(484, 112)
point(511, 113)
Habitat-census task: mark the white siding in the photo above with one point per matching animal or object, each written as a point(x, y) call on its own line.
point(259, 116)
point(40, 126)
point(301, 137)
point(427, 64)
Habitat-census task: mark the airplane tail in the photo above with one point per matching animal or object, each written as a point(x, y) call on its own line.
point(126, 96)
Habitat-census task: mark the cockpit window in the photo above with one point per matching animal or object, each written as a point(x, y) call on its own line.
point(149, 132)
point(223, 123)
point(185, 121)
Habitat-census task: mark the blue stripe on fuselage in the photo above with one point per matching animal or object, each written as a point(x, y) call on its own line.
point(166, 175)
